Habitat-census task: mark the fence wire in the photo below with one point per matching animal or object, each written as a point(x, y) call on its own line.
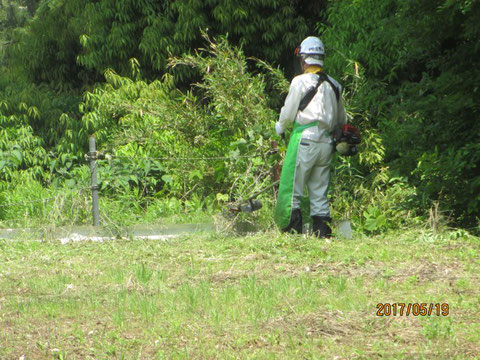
point(112, 156)
point(107, 156)
point(43, 200)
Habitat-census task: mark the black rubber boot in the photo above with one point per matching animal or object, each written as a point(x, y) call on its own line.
point(295, 225)
point(321, 227)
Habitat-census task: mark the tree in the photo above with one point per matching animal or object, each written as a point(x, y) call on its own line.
point(420, 84)
point(73, 42)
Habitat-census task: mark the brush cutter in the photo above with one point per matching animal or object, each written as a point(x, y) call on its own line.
point(251, 204)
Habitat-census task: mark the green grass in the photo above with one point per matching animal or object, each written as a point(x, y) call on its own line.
point(266, 296)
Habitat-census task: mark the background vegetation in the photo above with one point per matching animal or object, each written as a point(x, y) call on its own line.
point(133, 73)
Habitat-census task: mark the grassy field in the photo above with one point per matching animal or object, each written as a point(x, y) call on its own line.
point(265, 296)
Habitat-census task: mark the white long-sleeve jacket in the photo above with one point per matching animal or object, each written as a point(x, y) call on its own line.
point(323, 107)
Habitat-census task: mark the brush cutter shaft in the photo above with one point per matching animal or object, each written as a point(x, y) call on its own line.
point(263, 190)
point(249, 205)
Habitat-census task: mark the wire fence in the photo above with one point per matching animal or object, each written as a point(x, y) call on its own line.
point(205, 158)
point(46, 199)
point(23, 203)
point(93, 157)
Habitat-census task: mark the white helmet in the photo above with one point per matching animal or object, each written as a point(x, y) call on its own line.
point(312, 51)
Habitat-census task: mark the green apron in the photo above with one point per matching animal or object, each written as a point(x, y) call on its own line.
point(283, 209)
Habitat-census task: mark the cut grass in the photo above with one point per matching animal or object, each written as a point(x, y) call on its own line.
point(256, 297)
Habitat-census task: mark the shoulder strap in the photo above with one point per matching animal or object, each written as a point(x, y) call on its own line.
point(335, 89)
point(311, 93)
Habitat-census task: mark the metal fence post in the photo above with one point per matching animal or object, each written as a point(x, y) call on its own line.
point(92, 155)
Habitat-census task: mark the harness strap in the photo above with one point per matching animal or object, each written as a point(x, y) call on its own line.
point(335, 89)
point(311, 93)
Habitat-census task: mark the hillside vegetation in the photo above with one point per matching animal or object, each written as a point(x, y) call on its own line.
point(183, 96)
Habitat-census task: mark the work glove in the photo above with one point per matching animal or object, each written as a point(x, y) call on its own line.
point(278, 128)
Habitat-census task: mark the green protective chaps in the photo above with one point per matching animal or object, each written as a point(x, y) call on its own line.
point(283, 210)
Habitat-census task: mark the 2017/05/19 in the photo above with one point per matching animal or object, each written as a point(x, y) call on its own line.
point(415, 309)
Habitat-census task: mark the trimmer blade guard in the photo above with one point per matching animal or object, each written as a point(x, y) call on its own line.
point(246, 207)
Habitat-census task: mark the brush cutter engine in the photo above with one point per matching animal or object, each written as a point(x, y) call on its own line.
point(346, 140)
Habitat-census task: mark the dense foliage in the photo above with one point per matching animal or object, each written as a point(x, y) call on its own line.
point(123, 70)
point(419, 62)
point(84, 37)
point(175, 130)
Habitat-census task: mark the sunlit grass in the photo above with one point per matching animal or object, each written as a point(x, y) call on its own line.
point(263, 296)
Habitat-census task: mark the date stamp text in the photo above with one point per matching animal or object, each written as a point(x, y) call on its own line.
point(414, 309)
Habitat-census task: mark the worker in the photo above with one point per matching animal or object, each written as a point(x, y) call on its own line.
point(315, 107)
